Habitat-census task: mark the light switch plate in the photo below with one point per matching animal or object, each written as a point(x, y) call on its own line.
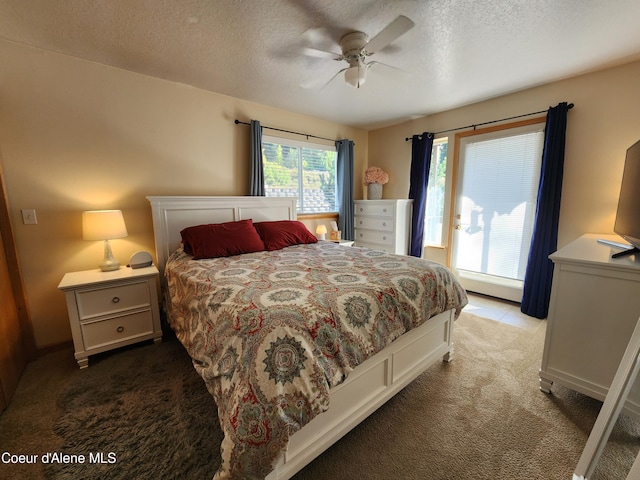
point(29, 216)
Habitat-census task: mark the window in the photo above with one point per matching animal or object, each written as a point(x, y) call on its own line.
point(434, 211)
point(303, 170)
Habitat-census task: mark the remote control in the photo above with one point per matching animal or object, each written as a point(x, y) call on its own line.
point(611, 243)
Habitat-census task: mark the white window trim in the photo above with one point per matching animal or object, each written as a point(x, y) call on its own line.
point(444, 237)
point(297, 143)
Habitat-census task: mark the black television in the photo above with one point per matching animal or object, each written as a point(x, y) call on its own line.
point(628, 215)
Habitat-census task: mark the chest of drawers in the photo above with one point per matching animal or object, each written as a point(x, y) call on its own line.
point(111, 309)
point(383, 225)
point(595, 305)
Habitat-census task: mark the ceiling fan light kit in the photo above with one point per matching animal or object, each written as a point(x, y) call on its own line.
point(356, 75)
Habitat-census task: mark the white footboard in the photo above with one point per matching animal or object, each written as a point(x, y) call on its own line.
point(369, 386)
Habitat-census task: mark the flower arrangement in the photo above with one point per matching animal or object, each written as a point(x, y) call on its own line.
point(375, 175)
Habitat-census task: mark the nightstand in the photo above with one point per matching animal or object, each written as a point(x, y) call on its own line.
point(344, 243)
point(108, 310)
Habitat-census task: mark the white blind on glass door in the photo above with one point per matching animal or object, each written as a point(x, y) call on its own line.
point(499, 185)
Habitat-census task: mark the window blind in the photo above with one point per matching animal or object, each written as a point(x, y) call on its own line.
point(501, 172)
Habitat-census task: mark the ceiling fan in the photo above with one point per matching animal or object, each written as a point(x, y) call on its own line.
point(356, 47)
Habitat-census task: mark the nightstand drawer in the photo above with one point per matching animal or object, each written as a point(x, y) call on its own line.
point(105, 301)
point(113, 330)
point(381, 210)
point(384, 224)
point(371, 236)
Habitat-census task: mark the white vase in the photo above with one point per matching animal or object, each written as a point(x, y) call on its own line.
point(375, 191)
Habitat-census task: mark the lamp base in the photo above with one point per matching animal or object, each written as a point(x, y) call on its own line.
point(109, 266)
point(109, 263)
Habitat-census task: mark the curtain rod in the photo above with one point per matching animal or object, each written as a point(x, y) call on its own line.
point(570, 106)
point(289, 131)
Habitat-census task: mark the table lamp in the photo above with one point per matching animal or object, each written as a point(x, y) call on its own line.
point(104, 225)
point(321, 230)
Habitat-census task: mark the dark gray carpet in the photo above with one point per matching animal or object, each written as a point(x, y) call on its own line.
point(148, 408)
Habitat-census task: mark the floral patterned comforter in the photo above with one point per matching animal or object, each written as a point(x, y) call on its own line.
point(271, 332)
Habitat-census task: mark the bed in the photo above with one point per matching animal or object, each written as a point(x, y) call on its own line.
point(302, 340)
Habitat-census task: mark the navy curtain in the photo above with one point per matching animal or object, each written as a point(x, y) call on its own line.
point(257, 170)
point(344, 188)
point(539, 274)
point(420, 164)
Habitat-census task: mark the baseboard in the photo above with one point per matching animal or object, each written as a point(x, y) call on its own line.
point(56, 347)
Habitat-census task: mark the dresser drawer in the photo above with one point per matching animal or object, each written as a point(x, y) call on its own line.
point(372, 223)
point(372, 236)
point(109, 300)
point(379, 210)
point(118, 329)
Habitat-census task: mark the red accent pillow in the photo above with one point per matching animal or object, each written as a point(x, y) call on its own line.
point(283, 233)
point(221, 239)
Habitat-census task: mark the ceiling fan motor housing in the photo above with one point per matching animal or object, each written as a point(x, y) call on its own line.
point(352, 45)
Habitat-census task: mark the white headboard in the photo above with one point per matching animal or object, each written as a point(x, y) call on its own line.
point(172, 214)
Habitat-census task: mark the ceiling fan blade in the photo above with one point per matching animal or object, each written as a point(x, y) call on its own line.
point(320, 83)
point(386, 65)
point(313, 52)
point(318, 36)
point(395, 29)
point(389, 71)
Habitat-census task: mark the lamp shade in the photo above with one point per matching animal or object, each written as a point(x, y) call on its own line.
point(321, 229)
point(103, 225)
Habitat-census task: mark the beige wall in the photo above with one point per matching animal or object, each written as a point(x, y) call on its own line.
point(603, 124)
point(76, 135)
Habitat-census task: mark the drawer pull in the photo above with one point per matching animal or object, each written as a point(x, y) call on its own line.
point(360, 235)
point(384, 238)
point(115, 299)
point(384, 210)
point(120, 329)
point(361, 209)
point(384, 224)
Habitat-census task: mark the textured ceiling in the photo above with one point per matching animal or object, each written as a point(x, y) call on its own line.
point(459, 52)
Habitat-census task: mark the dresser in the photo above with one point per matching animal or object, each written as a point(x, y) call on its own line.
point(108, 310)
point(383, 225)
point(595, 305)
